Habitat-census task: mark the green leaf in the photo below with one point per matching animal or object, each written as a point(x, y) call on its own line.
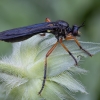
point(21, 74)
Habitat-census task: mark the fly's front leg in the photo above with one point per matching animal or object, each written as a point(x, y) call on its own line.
point(70, 37)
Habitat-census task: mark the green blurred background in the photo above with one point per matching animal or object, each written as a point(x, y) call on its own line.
point(17, 13)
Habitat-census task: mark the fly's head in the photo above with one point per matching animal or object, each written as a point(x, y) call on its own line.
point(75, 29)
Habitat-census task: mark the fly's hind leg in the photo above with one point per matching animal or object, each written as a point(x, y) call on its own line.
point(46, 20)
point(45, 66)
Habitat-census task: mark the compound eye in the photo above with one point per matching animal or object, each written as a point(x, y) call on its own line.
point(75, 30)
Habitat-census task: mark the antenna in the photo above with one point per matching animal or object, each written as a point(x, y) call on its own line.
point(82, 25)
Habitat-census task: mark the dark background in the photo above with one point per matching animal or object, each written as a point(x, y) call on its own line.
point(17, 13)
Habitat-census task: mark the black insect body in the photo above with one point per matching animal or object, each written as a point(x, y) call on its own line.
point(60, 29)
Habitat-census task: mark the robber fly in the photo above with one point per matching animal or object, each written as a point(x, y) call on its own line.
point(60, 29)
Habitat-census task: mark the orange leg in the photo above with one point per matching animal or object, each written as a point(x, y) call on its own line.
point(70, 37)
point(68, 51)
point(46, 20)
point(45, 67)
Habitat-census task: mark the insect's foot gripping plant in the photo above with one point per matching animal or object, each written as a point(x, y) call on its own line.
point(21, 74)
